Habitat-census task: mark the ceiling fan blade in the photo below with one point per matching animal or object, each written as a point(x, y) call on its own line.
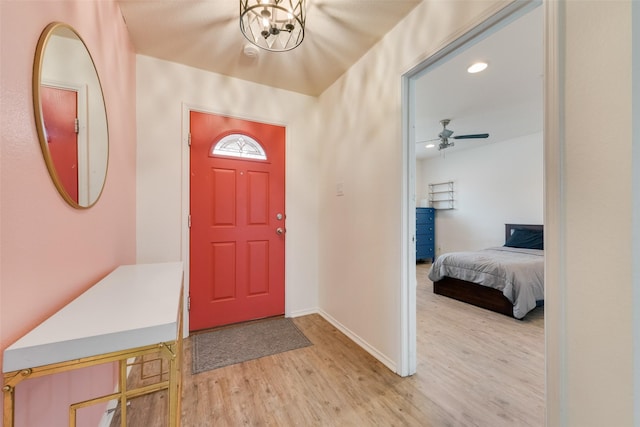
point(473, 136)
point(427, 140)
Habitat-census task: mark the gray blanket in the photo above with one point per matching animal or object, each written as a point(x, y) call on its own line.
point(518, 273)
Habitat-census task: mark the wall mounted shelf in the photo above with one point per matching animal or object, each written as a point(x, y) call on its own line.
point(441, 195)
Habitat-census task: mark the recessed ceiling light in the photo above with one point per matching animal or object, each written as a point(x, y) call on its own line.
point(430, 145)
point(477, 67)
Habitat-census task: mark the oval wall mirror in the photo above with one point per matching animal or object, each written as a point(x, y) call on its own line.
point(70, 115)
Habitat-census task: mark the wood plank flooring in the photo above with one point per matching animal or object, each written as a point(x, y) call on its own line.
point(475, 368)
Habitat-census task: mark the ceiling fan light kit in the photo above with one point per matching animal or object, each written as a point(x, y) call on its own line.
point(273, 25)
point(446, 136)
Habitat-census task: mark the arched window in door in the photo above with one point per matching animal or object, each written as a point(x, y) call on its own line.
point(238, 145)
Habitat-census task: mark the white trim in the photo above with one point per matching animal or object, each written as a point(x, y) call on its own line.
point(635, 132)
point(305, 312)
point(555, 288)
point(184, 222)
point(359, 341)
point(109, 411)
point(408, 352)
point(474, 33)
point(350, 334)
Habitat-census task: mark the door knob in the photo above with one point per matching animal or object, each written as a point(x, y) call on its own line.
point(279, 231)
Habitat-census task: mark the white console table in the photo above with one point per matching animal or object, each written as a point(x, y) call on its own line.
point(135, 311)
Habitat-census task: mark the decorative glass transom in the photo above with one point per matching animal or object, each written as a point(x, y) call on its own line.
point(237, 145)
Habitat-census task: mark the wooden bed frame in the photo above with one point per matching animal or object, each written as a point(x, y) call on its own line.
point(478, 295)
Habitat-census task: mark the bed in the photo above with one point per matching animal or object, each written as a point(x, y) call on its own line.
point(507, 279)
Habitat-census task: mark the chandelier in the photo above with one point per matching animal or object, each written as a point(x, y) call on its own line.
point(275, 25)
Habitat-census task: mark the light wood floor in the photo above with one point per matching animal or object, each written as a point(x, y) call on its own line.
point(475, 368)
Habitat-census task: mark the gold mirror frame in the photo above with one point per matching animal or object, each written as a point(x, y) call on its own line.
point(63, 63)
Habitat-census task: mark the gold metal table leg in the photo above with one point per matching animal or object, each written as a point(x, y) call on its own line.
point(8, 402)
point(171, 351)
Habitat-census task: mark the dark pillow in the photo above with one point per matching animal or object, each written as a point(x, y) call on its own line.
point(524, 238)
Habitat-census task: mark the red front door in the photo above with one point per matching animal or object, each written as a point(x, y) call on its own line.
point(237, 220)
point(59, 112)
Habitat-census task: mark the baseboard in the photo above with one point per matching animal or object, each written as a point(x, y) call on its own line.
point(362, 343)
point(351, 335)
point(109, 411)
point(300, 313)
point(112, 404)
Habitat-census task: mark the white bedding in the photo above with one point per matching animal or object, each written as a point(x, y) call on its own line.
point(518, 273)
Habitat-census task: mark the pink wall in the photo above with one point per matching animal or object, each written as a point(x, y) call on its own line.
point(50, 252)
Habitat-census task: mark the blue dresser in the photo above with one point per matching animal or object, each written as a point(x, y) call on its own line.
point(425, 233)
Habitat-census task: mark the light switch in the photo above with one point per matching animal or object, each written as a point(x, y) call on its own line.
point(340, 189)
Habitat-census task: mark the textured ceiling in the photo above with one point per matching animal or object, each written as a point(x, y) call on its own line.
point(504, 101)
point(206, 34)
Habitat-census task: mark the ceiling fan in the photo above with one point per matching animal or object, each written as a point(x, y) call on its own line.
point(446, 135)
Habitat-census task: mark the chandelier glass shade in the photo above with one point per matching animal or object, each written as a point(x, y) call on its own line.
point(275, 25)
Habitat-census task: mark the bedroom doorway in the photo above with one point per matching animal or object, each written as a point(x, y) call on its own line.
point(415, 131)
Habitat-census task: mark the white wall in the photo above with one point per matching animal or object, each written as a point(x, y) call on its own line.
point(493, 184)
point(589, 176)
point(360, 262)
point(165, 90)
point(588, 315)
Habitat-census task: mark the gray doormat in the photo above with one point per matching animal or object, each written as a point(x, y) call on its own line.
point(247, 341)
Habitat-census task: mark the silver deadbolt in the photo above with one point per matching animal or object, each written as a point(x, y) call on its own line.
point(279, 217)
point(279, 231)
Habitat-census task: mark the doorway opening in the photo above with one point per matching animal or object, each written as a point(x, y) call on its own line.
point(412, 133)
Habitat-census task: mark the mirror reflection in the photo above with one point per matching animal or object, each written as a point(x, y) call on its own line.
point(70, 115)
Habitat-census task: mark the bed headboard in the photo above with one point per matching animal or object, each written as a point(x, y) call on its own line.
point(508, 228)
